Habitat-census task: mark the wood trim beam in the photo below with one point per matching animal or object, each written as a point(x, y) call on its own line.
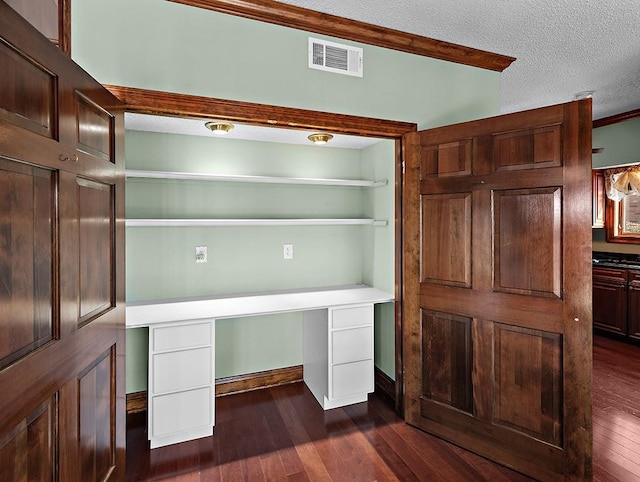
point(614, 119)
point(184, 105)
point(291, 16)
point(137, 402)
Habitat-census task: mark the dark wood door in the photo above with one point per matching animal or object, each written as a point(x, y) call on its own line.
point(497, 300)
point(62, 394)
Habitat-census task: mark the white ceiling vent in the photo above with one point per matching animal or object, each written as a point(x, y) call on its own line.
point(333, 57)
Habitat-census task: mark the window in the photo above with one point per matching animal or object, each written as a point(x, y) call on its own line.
point(622, 220)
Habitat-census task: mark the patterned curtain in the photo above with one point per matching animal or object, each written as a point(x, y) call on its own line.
point(622, 182)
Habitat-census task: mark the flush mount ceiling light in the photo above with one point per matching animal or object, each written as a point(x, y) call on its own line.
point(219, 127)
point(319, 138)
point(587, 94)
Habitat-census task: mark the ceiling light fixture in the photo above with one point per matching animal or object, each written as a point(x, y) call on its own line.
point(319, 138)
point(219, 127)
point(587, 94)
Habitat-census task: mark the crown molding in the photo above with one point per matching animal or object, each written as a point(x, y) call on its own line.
point(291, 16)
point(614, 119)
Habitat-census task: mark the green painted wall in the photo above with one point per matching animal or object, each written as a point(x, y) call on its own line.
point(161, 264)
point(176, 48)
point(621, 142)
point(165, 46)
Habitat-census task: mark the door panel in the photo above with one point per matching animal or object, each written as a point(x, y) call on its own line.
point(96, 228)
point(497, 307)
point(28, 93)
point(62, 329)
point(26, 262)
point(27, 451)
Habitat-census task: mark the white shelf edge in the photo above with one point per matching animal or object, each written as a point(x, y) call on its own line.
point(256, 179)
point(148, 223)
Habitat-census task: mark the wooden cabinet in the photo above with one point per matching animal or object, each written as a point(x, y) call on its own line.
point(598, 203)
point(633, 305)
point(61, 265)
point(610, 300)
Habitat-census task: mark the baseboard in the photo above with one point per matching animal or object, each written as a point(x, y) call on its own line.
point(385, 385)
point(257, 380)
point(137, 401)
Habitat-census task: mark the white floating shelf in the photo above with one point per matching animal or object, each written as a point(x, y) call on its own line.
point(257, 179)
point(148, 223)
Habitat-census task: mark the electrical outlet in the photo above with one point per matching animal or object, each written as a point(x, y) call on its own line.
point(201, 254)
point(287, 251)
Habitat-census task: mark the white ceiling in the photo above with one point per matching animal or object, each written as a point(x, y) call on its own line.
point(562, 47)
point(196, 127)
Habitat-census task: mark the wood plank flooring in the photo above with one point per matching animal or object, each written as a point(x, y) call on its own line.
point(281, 433)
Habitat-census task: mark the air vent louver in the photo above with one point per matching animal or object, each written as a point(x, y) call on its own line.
point(333, 57)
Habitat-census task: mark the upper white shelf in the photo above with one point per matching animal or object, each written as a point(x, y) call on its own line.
point(257, 179)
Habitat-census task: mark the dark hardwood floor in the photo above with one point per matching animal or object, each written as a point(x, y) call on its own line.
point(282, 433)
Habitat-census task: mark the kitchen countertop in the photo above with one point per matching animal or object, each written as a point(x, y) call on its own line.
point(616, 260)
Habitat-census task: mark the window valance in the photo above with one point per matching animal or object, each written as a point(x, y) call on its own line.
point(622, 182)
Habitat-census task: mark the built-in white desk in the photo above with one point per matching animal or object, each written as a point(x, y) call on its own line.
point(337, 351)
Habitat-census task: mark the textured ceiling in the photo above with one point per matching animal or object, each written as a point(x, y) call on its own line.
point(563, 47)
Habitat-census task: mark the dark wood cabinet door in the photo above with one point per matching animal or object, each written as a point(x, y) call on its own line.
point(610, 300)
point(61, 265)
point(497, 288)
point(633, 305)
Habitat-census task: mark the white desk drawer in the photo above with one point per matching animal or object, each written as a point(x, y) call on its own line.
point(181, 370)
point(352, 316)
point(351, 379)
point(181, 336)
point(177, 412)
point(352, 345)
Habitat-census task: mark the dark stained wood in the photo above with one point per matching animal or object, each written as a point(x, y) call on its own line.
point(526, 299)
point(633, 305)
point(399, 224)
point(28, 448)
point(71, 267)
point(253, 381)
point(312, 21)
point(283, 431)
point(610, 299)
point(136, 402)
point(26, 261)
point(184, 105)
point(614, 119)
point(64, 26)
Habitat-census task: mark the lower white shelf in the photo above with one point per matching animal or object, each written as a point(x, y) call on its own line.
point(148, 223)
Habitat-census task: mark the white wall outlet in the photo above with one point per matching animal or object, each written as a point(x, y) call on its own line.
point(201, 254)
point(287, 251)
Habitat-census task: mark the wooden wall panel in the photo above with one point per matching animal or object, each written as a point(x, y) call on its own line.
point(445, 160)
point(528, 381)
point(528, 149)
point(446, 239)
point(447, 365)
point(26, 222)
point(96, 389)
point(28, 451)
point(528, 241)
point(28, 93)
point(96, 254)
point(95, 129)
